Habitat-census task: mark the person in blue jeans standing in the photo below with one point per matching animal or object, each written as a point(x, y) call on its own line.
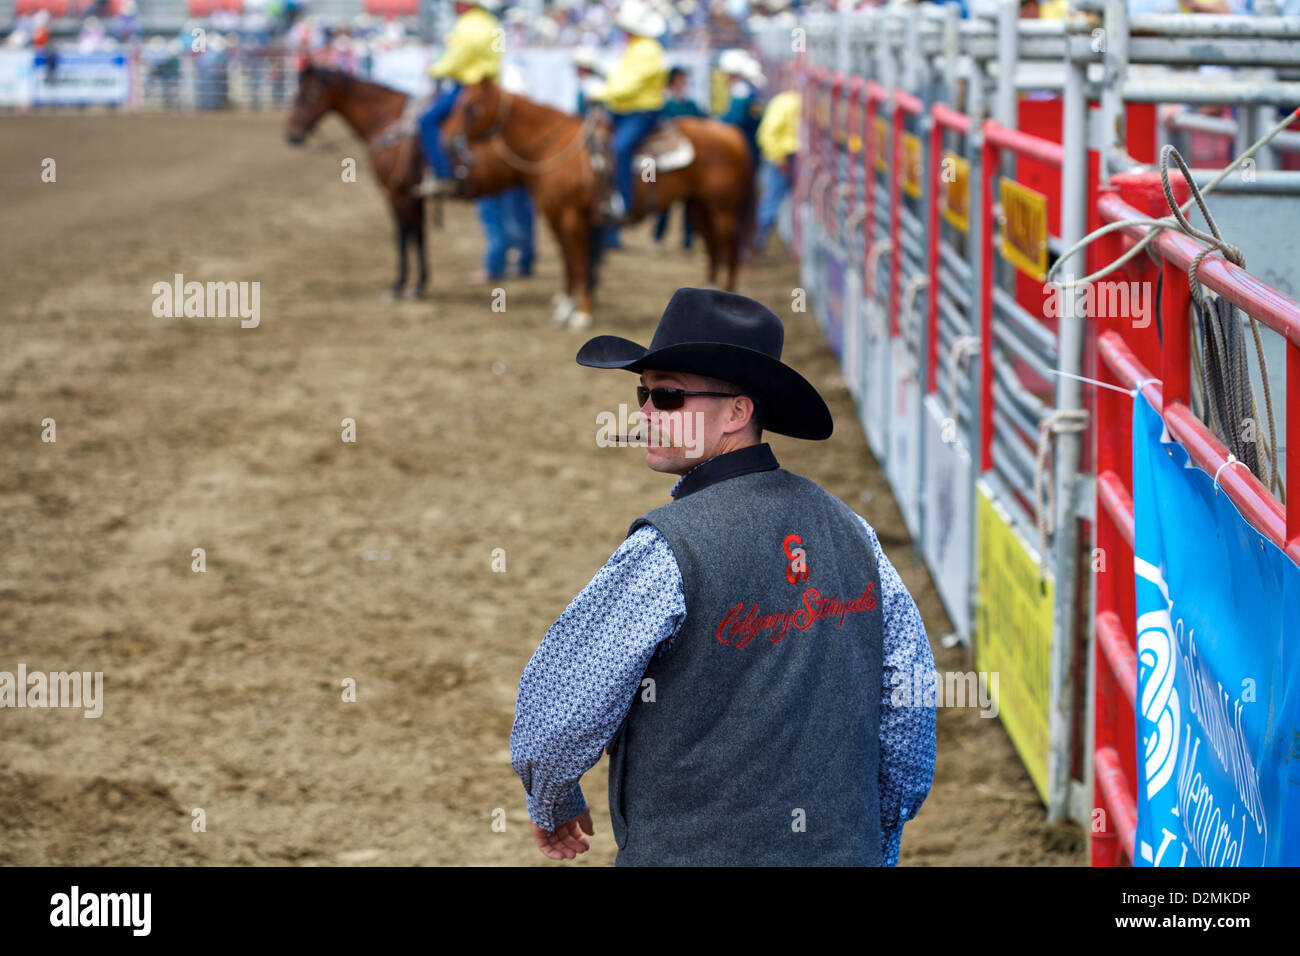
point(507, 219)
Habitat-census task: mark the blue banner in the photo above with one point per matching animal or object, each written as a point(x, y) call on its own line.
point(1218, 646)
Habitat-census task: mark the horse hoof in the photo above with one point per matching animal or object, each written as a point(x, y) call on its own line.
point(580, 320)
point(416, 294)
point(563, 311)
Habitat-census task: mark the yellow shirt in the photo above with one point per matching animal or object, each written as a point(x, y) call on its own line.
point(778, 133)
point(638, 80)
point(473, 49)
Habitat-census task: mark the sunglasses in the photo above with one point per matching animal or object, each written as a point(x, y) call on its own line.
point(667, 399)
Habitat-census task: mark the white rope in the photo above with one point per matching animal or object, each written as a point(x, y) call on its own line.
point(1054, 422)
point(874, 252)
point(914, 285)
point(1143, 383)
point(963, 347)
point(1232, 460)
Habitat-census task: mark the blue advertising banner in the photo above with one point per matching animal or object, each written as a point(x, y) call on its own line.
point(1218, 647)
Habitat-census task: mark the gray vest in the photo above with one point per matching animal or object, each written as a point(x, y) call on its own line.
point(760, 747)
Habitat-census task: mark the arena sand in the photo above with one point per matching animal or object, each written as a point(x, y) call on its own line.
point(324, 560)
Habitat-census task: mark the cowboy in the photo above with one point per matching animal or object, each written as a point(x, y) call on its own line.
point(738, 654)
point(634, 94)
point(778, 139)
point(472, 54)
point(586, 64)
point(745, 109)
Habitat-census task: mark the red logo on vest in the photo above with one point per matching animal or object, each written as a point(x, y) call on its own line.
point(798, 568)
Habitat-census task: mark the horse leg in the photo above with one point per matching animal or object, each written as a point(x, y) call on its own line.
point(421, 260)
point(578, 239)
point(708, 228)
point(562, 302)
point(396, 291)
point(728, 234)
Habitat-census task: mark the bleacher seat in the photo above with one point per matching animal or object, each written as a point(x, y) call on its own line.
point(57, 9)
point(391, 9)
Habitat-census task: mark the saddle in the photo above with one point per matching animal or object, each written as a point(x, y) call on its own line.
point(665, 148)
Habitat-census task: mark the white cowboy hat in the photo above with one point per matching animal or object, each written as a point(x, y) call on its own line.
point(735, 62)
point(491, 6)
point(637, 18)
point(586, 58)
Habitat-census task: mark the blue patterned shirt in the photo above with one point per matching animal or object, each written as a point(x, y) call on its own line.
point(580, 683)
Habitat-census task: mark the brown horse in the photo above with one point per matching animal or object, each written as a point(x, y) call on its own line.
point(375, 114)
point(551, 151)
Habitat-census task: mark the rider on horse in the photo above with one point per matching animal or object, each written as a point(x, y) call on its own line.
point(472, 54)
point(634, 94)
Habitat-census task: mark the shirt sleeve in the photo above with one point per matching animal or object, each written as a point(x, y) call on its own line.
point(640, 67)
point(907, 727)
point(581, 680)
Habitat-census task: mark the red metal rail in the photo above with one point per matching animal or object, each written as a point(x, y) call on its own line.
point(1279, 312)
point(1127, 352)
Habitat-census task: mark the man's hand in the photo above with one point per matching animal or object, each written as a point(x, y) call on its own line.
point(567, 841)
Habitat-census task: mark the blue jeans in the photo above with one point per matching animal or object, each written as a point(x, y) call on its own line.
point(629, 130)
point(430, 141)
point(507, 220)
point(773, 185)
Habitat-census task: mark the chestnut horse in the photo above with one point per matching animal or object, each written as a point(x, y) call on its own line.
point(550, 151)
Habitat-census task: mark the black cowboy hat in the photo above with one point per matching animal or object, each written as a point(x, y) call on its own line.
point(729, 337)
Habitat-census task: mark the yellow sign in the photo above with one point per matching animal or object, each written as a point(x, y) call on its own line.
point(1014, 635)
point(954, 181)
point(912, 165)
point(882, 144)
point(1024, 237)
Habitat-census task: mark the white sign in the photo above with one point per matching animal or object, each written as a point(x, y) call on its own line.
point(77, 79)
point(946, 498)
point(903, 461)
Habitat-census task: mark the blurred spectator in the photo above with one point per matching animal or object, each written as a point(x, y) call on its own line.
point(778, 137)
point(677, 104)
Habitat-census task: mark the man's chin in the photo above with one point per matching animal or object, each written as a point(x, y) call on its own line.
point(664, 460)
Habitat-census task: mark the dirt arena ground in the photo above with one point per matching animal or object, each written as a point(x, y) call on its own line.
point(475, 431)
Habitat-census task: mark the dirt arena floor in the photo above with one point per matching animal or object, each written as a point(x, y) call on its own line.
point(327, 561)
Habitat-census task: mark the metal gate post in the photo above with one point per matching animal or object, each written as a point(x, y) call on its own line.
point(1070, 331)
